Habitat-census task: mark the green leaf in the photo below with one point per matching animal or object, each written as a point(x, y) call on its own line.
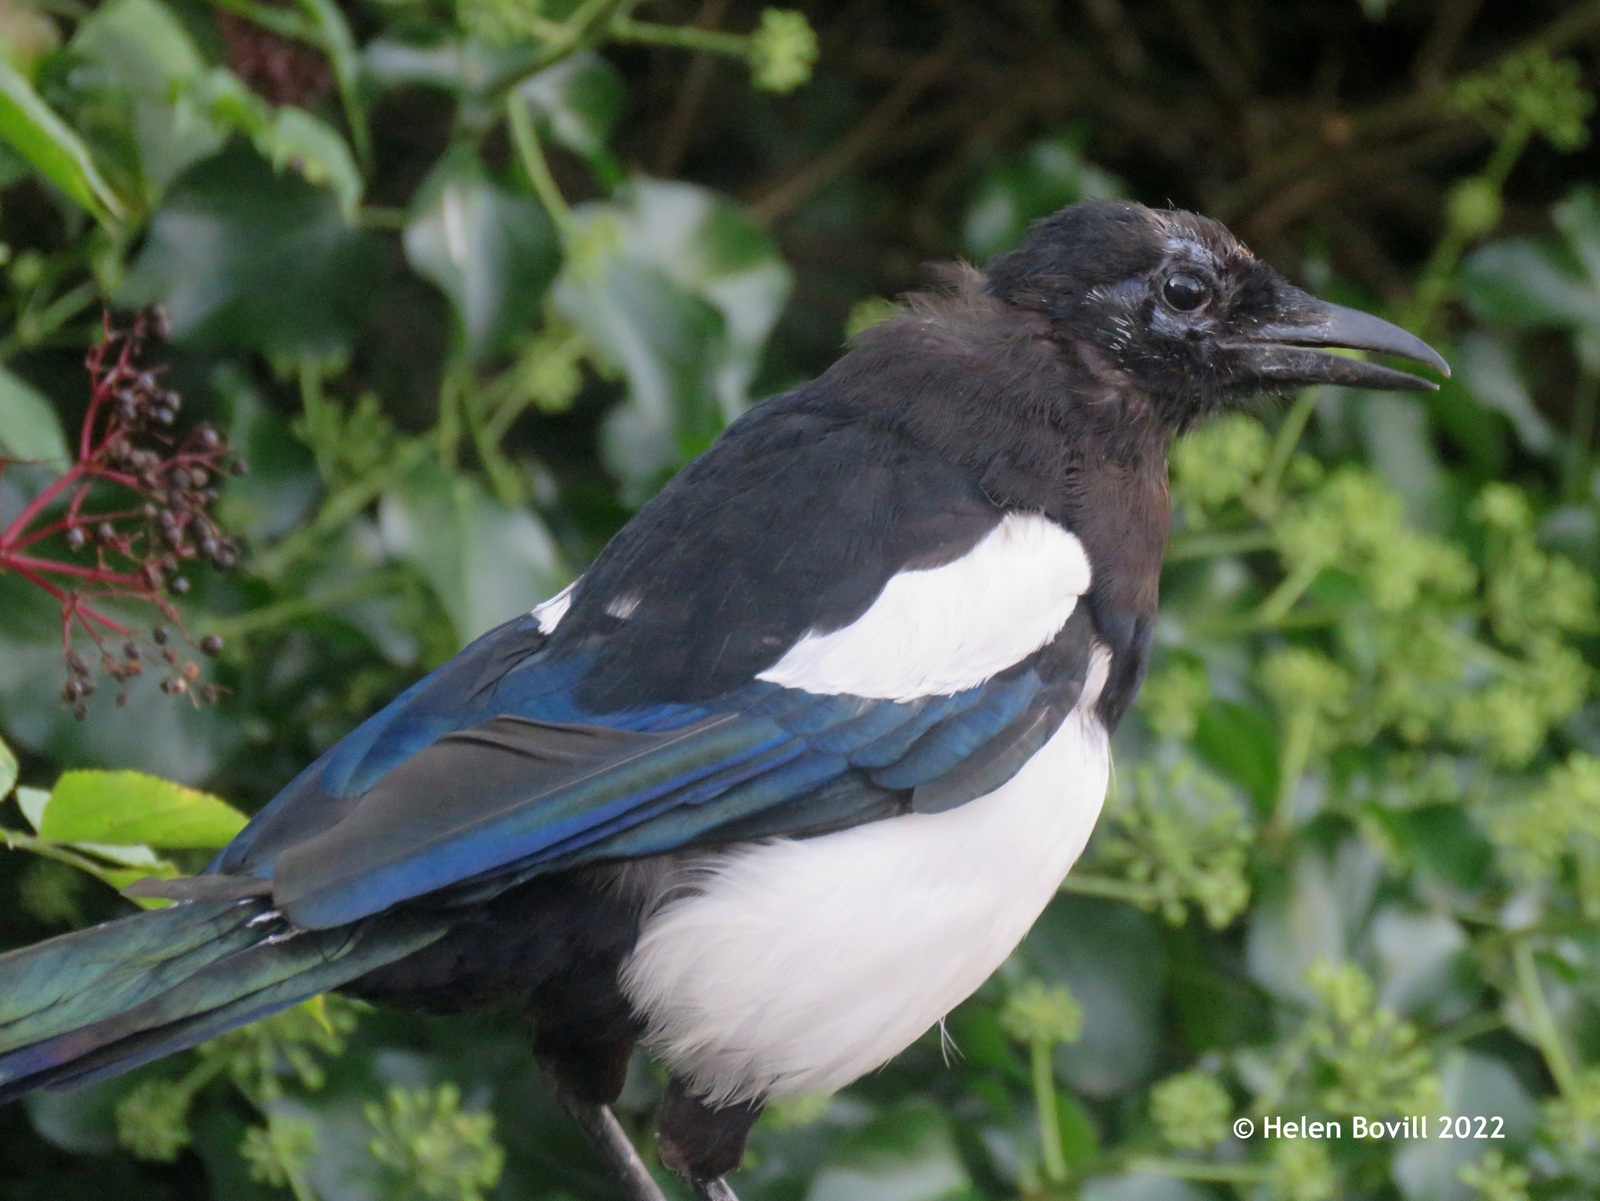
point(489, 248)
point(1526, 283)
point(136, 60)
point(576, 102)
point(903, 1154)
point(485, 561)
point(286, 137)
point(650, 280)
point(1471, 1084)
point(1143, 1186)
point(1578, 218)
point(1485, 365)
point(8, 770)
point(1310, 915)
point(1241, 742)
point(128, 808)
point(29, 427)
point(1042, 179)
point(470, 69)
point(55, 151)
point(245, 258)
point(32, 802)
point(1110, 955)
point(666, 340)
point(315, 149)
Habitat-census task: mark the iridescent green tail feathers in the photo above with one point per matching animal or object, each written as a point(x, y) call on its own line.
point(101, 1001)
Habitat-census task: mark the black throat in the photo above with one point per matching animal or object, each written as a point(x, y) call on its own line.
point(1046, 423)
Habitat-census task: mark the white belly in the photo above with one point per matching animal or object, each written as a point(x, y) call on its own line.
point(792, 967)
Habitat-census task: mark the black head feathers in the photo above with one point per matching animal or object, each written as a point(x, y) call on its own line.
point(1176, 303)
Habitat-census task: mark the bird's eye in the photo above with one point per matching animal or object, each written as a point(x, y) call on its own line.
point(1185, 292)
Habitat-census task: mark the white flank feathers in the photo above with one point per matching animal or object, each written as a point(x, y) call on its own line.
point(790, 968)
point(549, 613)
point(945, 629)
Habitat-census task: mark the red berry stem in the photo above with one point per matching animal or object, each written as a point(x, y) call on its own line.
point(127, 443)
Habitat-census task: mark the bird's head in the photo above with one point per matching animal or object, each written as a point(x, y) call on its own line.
point(1176, 304)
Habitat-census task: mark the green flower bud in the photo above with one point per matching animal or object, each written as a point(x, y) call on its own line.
point(1530, 89)
point(1042, 1013)
point(153, 1120)
point(1302, 1171)
point(1192, 1110)
point(1475, 206)
point(1573, 1119)
point(280, 1151)
point(1376, 1062)
point(292, 1043)
point(1300, 679)
point(1217, 464)
point(426, 1138)
point(1494, 1179)
point(782, 50)
point(1183, 839)
point(27, 270)
point(1174, 697)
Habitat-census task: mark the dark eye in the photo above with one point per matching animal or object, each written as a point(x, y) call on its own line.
point(1185, 292)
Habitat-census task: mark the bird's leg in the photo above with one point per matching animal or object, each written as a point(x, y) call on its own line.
point(601, 1127)
point(700, 1143)
point(712, 1190)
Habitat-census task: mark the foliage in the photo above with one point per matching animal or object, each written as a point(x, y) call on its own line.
point(465, 282)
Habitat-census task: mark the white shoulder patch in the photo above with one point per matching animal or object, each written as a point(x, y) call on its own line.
point(945, 629)
point(549, 613)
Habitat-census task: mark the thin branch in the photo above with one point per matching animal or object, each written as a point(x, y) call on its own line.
point(526, 140)
point(874, 127)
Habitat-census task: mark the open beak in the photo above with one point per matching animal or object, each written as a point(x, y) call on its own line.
point(1283, 352)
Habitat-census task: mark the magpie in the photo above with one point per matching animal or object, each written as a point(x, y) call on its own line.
point(792, 768)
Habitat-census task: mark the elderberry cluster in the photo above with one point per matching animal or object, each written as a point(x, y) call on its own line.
point(140, 543)
point(181, 674)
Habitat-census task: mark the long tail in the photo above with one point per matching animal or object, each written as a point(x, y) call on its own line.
point(101, 1001)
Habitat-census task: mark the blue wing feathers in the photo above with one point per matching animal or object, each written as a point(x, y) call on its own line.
point(421, 798)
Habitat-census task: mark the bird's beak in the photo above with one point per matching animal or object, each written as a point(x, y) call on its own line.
point(1282, 351)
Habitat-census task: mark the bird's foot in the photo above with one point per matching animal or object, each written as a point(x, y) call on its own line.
point(612, 1141)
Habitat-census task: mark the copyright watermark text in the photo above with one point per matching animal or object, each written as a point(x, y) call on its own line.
point(1441, 1126)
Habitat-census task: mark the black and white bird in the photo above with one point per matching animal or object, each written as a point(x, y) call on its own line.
point(796, 764)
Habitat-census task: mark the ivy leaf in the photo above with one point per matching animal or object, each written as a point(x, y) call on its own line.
point(131, 809)
point(489, 248)
point(54, 150)
point(1522, 282)
point(243, 257)
point(135, 59)
point(1043, 178)
point(903, 1154)
point(487, 562)
point(32, 802)
point(8, 770)
point(576, 102)
point(29, 427)
point(285, 137)
point(679, 289)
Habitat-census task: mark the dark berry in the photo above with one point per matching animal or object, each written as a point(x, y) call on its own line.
point(211, 645)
